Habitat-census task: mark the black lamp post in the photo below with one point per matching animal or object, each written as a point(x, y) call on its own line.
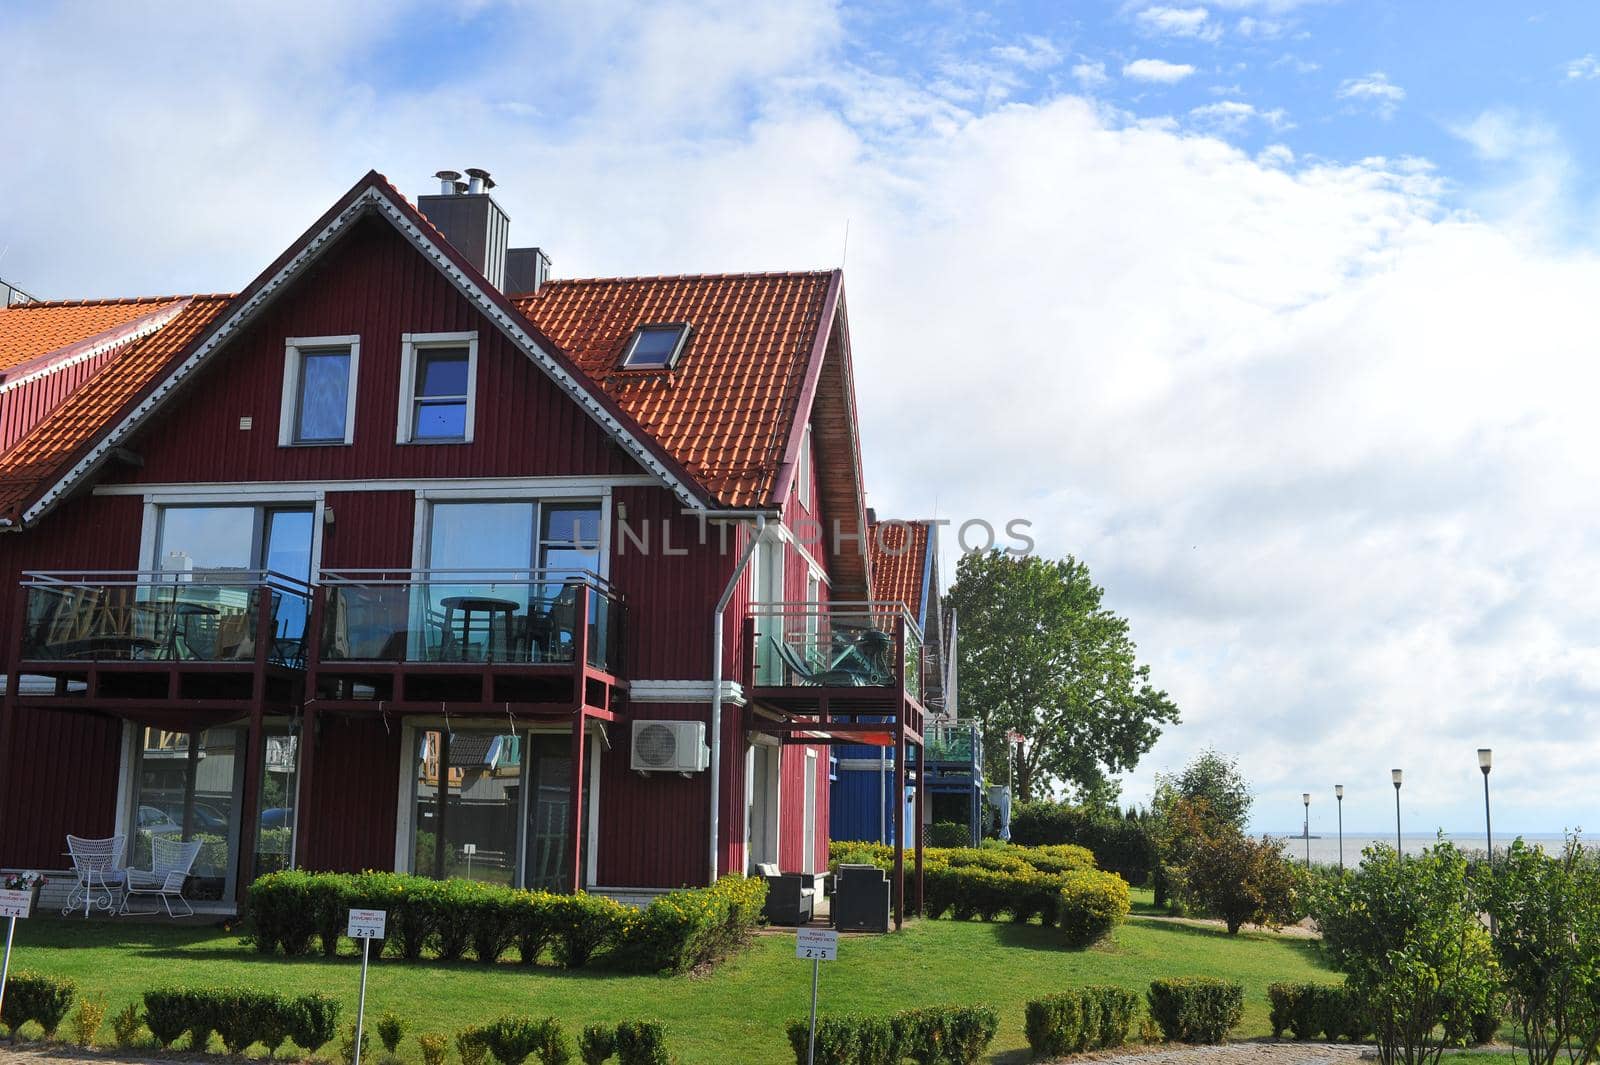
point(1305, 797)
point(1396, 776)
point(1485, 760)
point(1338, 793)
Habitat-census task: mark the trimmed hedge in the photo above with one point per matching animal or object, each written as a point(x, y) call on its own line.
point(38, 997)
point(241, 1016)
point(451, 918)
point(1085, 1018)
point(938, 1035)
point(949, 834)
point(1195, 1009)
point(1310, 1011)
point(512, 1040)
point(1057, 885)
point(1120, 845)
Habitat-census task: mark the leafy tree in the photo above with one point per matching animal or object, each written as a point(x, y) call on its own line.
point(1547, 941)
point(1228, 874)
point(1407, 935)
point(1214, 778)
point(1043, 657)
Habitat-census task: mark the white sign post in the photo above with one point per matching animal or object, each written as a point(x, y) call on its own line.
point(819, 945)
point(13, 904)
point(365, 925)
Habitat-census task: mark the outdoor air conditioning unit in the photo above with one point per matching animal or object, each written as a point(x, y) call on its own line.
point(670, 747)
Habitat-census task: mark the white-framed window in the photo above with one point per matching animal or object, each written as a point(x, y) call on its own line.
point(319, 390)
point(802, 471)
point(438, 388)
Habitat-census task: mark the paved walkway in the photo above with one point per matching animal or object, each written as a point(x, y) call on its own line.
point(1241, 1054)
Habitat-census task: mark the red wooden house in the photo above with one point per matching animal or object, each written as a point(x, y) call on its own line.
point(410, 557)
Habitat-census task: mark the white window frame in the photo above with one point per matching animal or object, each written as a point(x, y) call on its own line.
point(803, 469)
point(295, 350)
point(411, 344)
point(626, 362)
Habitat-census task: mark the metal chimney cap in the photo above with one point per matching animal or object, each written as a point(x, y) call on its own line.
point(448, 180)
point(448, 175)
point(482, 175)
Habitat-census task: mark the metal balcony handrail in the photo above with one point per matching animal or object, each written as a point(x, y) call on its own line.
point(401, 575)
point(158, 578)
point(874, 607)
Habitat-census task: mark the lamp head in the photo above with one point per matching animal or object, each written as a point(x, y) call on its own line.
point(1305, 797)
point(1338, 791)
point(1485, 758)
point(1396, 775)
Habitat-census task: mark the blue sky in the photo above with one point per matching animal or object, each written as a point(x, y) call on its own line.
point(1281, 315)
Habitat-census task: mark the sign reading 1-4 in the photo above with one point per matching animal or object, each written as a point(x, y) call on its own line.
point(13, 904)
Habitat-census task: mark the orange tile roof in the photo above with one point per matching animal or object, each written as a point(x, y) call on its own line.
point(40, 456)
point(899, 553)
point(724, 410)
point(30, 330)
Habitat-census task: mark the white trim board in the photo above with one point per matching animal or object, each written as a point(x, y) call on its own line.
point(514, 327)
point(465, 486)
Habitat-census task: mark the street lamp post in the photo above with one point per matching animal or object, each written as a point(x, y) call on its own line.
point(1396, 776)
point(1305, 797)
point(1338, 793)
point(1485, 760)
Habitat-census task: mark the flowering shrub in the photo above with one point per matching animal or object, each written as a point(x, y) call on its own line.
point(23, 881)
point(447, 919)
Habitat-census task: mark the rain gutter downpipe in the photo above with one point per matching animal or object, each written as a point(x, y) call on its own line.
point(716, 688)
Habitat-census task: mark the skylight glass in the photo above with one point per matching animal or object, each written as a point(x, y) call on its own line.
point(655, 346)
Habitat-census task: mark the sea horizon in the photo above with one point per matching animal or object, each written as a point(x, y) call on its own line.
point(1325, 846)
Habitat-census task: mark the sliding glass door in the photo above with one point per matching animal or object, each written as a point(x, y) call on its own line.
point(187, 786)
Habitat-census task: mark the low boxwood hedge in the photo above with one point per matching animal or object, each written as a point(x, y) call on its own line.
point(241, 1016)
point(1085, 1018)
point(1196, 1009)
point(449, 919)
point(37, 997)
point(937, 1035)
point(1312, 1011)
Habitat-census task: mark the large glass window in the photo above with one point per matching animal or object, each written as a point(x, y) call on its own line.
point(186, 786)
point(322, 406)
point(207, 539)
point(280, 783)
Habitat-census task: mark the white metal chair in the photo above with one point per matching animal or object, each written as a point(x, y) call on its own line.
point(97, 863)
point(170, 862)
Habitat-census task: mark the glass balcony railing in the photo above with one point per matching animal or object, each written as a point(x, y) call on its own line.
point(846, 645)
point(189, 616)
point(955, 741)
point(521, 617)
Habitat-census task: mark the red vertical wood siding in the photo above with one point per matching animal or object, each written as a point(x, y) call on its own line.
point(60, 776)
point(25, 406)
point(373, 285)
point(370, 530)
point(348, 823)
point(792, 840)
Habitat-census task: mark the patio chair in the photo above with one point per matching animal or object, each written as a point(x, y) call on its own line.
point(789, 900)
point(97, 864)
point(861, 899)
point(802, 673)
point(170, 862)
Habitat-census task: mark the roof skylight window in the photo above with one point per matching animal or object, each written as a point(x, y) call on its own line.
point(655, 347)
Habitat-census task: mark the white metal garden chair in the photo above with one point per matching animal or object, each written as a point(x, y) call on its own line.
point(98, 865)
point(170, 862)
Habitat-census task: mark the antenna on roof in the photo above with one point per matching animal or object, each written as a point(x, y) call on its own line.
point(846, 249)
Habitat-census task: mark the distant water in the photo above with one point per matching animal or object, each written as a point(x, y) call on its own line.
point(1325, 851)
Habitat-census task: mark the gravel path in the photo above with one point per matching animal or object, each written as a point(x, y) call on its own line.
point(1263, 1053)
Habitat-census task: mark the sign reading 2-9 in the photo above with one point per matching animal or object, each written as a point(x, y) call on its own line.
point(367, 924)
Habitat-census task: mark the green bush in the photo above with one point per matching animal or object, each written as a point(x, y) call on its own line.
point(642, 1043)
point(126, 1024)
point(313, 1021)
point(1085, 1018)
point(241, 1016)
point(435, 1048)
point(166, 1012)
point(347, 1045)
point(391, 1030)
point(945, 1035)
point(1120, 845)
point(446, 918)
point(471, 1046)
point(512, 1040)
point(837, 1041)
point(1196, 1009)
point(596, 1044)
point(1311, 1011)
point(37, 997)
point(949, 834)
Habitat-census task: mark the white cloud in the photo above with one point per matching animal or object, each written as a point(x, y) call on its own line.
point(1032, 53)
point(1233, 116)
point(1374, 90)
point(1194, 22)
point(1260, 29)
point(1325, 442)
point(1157, 70)
point(1090, 73)
point(1585, 69)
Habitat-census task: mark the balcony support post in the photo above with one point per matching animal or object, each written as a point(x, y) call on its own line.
point(303, 783)
point(899, 819)
point(580, 697)
point(250, 807)
point(8, 705)
point(922, 786)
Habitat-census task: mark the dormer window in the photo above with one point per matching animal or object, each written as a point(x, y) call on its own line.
point(655, 347)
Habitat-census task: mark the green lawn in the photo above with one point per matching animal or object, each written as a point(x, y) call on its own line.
point(735, 1014)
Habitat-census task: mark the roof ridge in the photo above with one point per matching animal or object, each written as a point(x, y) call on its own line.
point(735, 275)
point(115, 301)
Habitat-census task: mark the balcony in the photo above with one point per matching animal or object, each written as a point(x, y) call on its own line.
point(125, 638)
point(476, 636)
point(835, 645)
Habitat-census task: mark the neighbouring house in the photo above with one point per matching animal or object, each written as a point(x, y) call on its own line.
point(412, 556)
point(904, 556)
